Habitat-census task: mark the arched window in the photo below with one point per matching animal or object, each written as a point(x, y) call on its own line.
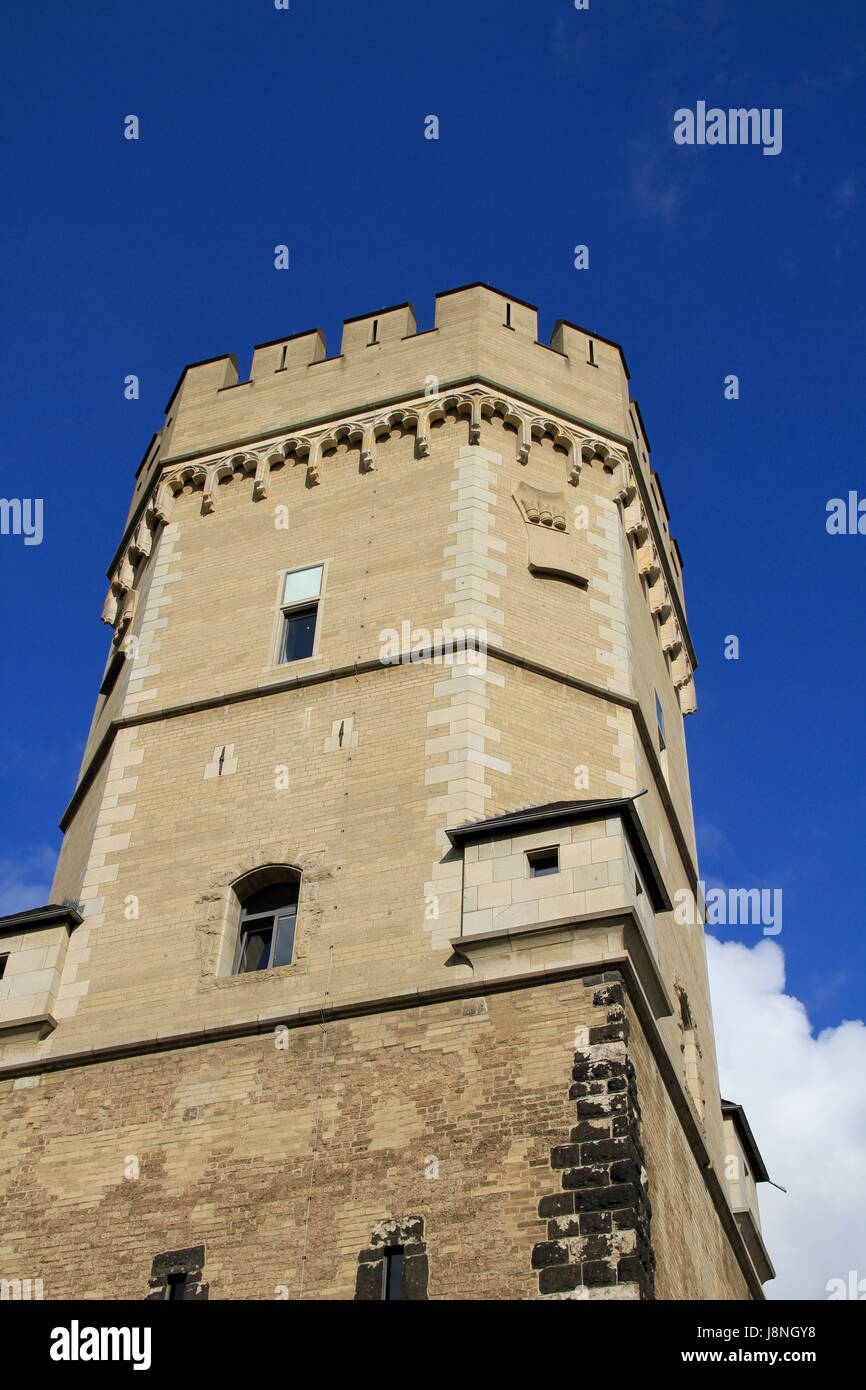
point(266, 937)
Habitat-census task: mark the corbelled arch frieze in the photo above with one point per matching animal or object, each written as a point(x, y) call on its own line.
point(475, 406)
point(650, 569)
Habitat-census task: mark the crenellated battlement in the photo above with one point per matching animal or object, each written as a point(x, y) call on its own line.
point(481, 359)
point(479, 333)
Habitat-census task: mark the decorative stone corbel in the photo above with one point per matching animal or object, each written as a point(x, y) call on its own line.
point(262, 480)
point(211, 479)
point(659, 600)
point(142, 542)
point(647, 562)
point(524, 444)
point(368, 448)
point(671, 637)
point(163, 503)
point(688, 697)
point(125, 574)
point(574, 462)
point(474, 420)
point(125, 615)
point(681, 672)
point(625, 487)
point(634, 522)
point(422, 433)
point(314, 457)
point(109, 608)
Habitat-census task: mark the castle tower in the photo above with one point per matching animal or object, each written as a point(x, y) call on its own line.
point(374, 966)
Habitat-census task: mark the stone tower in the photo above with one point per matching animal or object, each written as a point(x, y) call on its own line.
point(361, 976)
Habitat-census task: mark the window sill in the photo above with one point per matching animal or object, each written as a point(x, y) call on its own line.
point(285, 669)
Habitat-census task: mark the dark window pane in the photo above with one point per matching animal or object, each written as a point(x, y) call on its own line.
point(285, 940)
point(256, 950)
point(278, 895)
point(300, 631)
point(394, 1275)
point(176, 1286)
point(543, 862)
point(661, 722)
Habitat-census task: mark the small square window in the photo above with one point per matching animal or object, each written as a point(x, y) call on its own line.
point(543, 862)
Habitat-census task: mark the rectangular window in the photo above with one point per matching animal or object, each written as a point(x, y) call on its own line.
point(268, 943)
point(175, 1286)
point(299, 614)
point(256, 953)
point(267, 930)
point(302, 584)
point(543, 862)
point(300, 634)
point(3, 960)
point(392, 1282)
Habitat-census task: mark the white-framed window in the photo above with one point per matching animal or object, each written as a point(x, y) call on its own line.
point(300, 602)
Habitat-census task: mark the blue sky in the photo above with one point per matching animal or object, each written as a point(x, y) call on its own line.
point(306, 127)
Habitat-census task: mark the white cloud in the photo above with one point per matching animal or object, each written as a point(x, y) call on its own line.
point(712, 840)
point(806, 1103)
point(26, 882)
point(845, 195)
point(658, 186)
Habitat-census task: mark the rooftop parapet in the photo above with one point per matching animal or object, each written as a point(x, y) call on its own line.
point(373, 330)
point(480, 335)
